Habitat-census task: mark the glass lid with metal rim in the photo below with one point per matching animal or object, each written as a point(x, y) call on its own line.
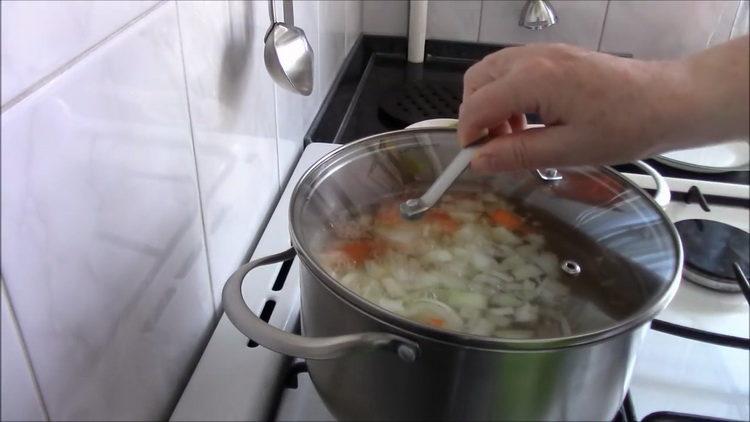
point(512, 256)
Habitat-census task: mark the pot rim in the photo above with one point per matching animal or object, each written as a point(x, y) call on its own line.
point(648, 311)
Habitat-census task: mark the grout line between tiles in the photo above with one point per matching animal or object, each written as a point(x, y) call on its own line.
point(737, 14)
point(277, 133)
point(604, 23)
point(195, 161)
point(75, 60)
point(25, 350)
point(479, 27)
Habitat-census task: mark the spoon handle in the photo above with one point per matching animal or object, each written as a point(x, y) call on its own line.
point(413, 208)
point(449, 175)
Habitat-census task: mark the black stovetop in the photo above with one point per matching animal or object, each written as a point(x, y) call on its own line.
point(358, 103)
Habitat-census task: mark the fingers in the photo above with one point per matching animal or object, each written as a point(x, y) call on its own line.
point(477, 76)
point(494, 66)
point(531, 149)
point(503, 129)
point(495, 102)
point(517, 122)
point(490, 68)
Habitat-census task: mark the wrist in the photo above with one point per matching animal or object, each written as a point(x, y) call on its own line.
point(668, 106)
point(711, 93)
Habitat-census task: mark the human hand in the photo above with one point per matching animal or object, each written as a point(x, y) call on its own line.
point(597, 108)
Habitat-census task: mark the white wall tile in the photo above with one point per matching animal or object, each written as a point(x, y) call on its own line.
point(19, 397)
point(385, 17)
point(579, 23)
point(234, 127)
point(454, 20)
point(331, 36)
point(102, 247)
point(331, 27)
point(353, 11)
point(666, 29)
point(69, 28)
point(294, 113)
point(740, 26)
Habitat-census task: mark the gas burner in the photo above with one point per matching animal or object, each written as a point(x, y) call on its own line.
point(711, 249)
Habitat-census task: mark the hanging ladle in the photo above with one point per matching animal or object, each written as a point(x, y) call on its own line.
point(288, 55)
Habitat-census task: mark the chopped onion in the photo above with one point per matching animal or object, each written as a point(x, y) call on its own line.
point(439, 255)
point(537, 240)
point(527, 251)
point(526, 313)
point(511, 262)
point(565, 326)
point(504, 235)
point(504, 299)
point(489, 197)
point(392, 287)
point(481, 261)
point(502, 322)
point(395, 306)
point(526, 272)
point(461, 299)
point(462, 272)
point(468, 312)
point(464, 216)
point(548, 262)
point(501, 311)
point(502, 277)
point(425, 309)
point(481, 327)
point(349, 279)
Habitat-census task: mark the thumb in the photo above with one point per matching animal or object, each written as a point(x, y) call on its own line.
point(529, 149)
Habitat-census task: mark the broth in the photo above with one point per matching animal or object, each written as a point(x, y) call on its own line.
point(478, 264)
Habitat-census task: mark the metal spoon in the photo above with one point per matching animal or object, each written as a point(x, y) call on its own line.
point(414, 208)
point(288, 54)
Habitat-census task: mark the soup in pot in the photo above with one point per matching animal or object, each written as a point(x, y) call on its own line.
point(475, 263)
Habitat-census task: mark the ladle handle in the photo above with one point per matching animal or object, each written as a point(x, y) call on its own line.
point(450, 174)
point(271, 13)
point(289, 13)
point(454, 169)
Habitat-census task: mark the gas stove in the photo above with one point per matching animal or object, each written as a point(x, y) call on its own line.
point(236, 379)
point(694, 361)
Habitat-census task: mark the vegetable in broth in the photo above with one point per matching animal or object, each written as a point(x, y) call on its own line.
point(472, 264)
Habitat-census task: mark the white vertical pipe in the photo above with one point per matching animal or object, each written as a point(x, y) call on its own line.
point(417, 30)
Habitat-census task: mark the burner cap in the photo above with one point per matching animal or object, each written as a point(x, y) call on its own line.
point(710, 250)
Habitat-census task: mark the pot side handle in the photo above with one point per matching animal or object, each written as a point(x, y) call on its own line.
point(299, 346)
point(662, 195)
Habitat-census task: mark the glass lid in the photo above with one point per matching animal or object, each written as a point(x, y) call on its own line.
point(510, 256)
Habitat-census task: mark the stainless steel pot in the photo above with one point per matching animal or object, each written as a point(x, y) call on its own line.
point(369, 363)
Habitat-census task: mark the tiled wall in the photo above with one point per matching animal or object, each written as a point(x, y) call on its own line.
point(143, 144)
point(647, 29)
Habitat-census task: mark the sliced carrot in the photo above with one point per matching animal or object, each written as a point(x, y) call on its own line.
point(443, 220)
point(436, 322)
point(388, 214)
point(507, 219)
point(358, 250)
